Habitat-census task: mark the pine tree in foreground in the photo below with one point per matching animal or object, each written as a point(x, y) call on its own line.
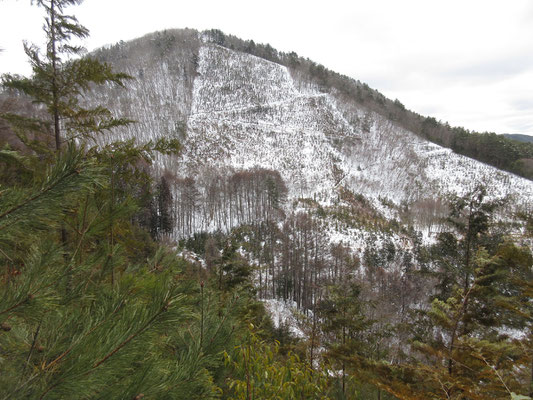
point(72, 329)
point(81, 315)
point(61, 77)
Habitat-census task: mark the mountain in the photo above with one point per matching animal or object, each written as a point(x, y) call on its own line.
point(234, 111)
point(519, 137)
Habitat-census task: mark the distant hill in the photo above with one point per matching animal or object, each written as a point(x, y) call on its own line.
point(247, 114)
point(519, 137)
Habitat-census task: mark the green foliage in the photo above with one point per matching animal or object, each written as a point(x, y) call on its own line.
point(111, 341)
point(483, 291)
point(87, 318)
point(233, 269)
point(90, 306)
point(345, 332)
point(42, 204)
point(470, 218)
point(259, 373)
point(493, 149)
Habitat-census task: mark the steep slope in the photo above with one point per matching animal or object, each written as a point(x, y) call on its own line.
point(247, 112)
point(159, 97)
point(234, 111)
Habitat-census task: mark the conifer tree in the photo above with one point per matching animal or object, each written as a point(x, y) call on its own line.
point(69, 328)
point(480, 361)
point(163, 218)
point(471, 217)
point(61, 77)
point(344, 326)
point(483, 293)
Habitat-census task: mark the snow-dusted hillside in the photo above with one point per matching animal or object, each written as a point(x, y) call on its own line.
point(247, 111)
point(235, 111)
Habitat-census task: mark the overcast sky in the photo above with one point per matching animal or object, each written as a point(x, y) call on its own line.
point(468, 62)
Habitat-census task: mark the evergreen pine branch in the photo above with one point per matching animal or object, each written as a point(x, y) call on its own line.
point(71, 174)
point(132, 336)
point(66, 352)
point(33, 342)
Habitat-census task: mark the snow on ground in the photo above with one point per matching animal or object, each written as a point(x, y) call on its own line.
point(192, 257)
point(283, 314)
point(238, 111)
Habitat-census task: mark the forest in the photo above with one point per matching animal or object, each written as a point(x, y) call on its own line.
point(98, 302)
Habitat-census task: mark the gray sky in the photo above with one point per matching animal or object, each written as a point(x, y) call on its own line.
point(468, 62)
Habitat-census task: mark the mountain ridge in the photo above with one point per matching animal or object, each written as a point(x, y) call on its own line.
point(407, 263)
point(519, 137)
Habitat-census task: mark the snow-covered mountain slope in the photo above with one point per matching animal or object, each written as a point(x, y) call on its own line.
point(235, 111)
point(159, 96)
point(247, 112)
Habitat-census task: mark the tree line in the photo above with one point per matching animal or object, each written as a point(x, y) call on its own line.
point(215, 201)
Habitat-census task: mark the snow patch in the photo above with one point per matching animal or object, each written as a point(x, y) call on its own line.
point(282, 314)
